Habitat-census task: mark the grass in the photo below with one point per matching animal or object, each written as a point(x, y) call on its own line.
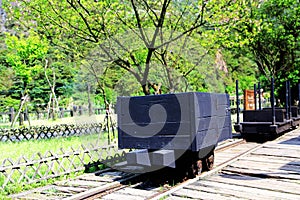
point(17, 188)
point(14, 150)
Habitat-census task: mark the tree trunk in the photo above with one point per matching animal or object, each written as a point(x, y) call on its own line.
point(21, 119)
point(53, 110)
point(23, 100)
point(146, 89)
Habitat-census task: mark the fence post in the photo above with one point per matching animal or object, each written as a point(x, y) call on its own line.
point(255, 103)
point(259, 96)
point(26, 114)
point(74, 110)
point(237, 102)
point(62, 112)
point(21, 119)
point(11, 114)
point(37, 114)
point(273, 102)
point(80, 110)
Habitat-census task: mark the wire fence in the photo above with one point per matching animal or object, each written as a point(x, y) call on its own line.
point(54, 164)
point(47, 132)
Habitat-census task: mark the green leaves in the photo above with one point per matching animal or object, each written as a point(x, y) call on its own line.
point(78, 26)
point(25, 55)
point(136, 44)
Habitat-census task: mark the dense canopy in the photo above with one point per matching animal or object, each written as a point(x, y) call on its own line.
point(66, 51)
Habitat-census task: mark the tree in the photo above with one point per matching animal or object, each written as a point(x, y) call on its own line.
point(242, 67)
point(7, 76)
point(270, 31)
point(277, 46)
point(25, 55)
point(277, 43)
point(155, 25)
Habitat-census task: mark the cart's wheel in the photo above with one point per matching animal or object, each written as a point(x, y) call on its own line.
point(195, 169)
point(199, 167)
point(191, 171)
point(208, 162)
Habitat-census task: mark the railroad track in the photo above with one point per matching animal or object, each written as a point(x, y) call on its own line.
point(112, 184)
point(270, 170)
point(232, 149)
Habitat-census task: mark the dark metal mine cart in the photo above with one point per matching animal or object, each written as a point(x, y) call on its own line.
point(173, 130)
point(268, 123)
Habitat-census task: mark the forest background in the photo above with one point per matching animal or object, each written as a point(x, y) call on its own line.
point(87, 53)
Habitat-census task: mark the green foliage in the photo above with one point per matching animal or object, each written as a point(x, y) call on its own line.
point(22, 66)
point(270, 30)
point(277, 45)
point(79, 25)
point(8, 102)
point(62, 73)
point(241, 67)
point(7, 75)
point(122, 52)
point(25, 55)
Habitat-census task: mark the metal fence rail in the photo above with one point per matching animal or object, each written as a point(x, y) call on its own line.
point(50, 165)
point(46, 132)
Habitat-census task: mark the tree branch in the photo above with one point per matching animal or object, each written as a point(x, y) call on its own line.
point(84, 20)
point(138, 20)
point(151, 48)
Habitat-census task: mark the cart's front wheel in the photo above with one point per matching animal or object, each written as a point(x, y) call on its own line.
point(208, 162)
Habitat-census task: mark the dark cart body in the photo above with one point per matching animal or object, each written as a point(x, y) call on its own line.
point(259, 122)
point(192, 121)
point(295, 116)
point(268, 123)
